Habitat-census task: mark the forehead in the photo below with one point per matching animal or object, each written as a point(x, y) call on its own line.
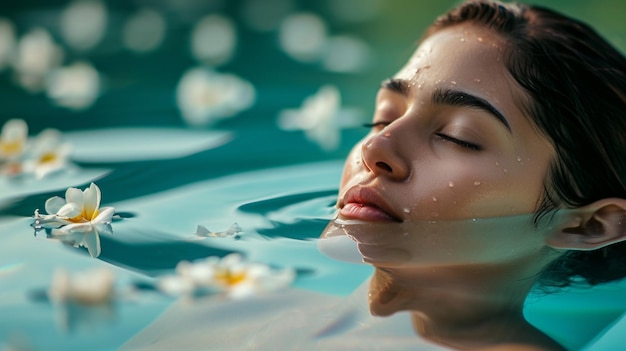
point(464, 49)
point(469, 58)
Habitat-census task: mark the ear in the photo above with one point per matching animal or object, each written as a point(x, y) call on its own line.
point(597, 225)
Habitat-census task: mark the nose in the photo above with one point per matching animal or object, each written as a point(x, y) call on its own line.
point(380, 156)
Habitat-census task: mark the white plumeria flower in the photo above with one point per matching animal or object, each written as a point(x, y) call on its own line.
point(92, 287)
point(83, 23)
point(13, 138)
point(77, 219)
point(7, 42)
point(37, 54)
point(48, 153)
point(213, 39)
point(13, 143)
point(204, 96)
point(230, 275)
point(75, 86)
point(320, 117)
point(204, 232)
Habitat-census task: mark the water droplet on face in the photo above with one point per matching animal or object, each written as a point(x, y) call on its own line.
point(406, 210)
point(505, 170)
point(476, 80)
point(419, 86)
point(387, 135)
point(451, 184)
point(480, 39)
point(497, 164)
point(463, 40)
point(477, 183)
point(474, 219)
point(453, 82)
point(405, 234)
point(434, 199)
point(519, 159)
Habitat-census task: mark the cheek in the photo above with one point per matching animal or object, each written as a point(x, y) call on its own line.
point(474, 190)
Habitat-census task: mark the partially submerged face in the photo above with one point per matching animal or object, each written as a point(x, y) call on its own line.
point(451, 138)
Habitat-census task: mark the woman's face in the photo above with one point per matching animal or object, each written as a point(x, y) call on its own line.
point(451, 138)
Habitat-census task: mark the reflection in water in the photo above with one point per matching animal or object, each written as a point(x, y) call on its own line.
point(464, 281)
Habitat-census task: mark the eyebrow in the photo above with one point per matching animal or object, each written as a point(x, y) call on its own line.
point(463, 99)
point(449, 97)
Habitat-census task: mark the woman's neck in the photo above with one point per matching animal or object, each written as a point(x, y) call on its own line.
point(468, 308)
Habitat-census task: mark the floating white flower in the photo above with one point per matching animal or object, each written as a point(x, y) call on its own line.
point(213, 39)
point(77, 219)
point(13, 139)
point(232, 231)
point(92, 287)
point(75, 86)
point(48, 154)
point(7, 42)
point(320, 117)
point(144, 31)
point(231, 275)
point(37, 54)
point(204, 95)
point(83, 23)
point(83, 299)
point(303, 36)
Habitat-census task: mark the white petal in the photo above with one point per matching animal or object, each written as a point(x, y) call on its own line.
point(78, 228)
point(91, 197)
point(59, 290)
point(54, 204)
point(175, 285)
point(202, 231)
point(105, 215)
point(14, 129)
point(69, 210)
point(76, 196)
point(104, 228)
point(92, 242)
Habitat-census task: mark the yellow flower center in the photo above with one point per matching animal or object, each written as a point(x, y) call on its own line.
point(84, 217)
point(48, 157)
point(229, 278)
point(10, 148)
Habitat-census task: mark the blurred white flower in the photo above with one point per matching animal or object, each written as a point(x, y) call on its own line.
point(144, 31)
point(265, 15)
point(204, 96)
point(47, 154)
point(84, 299)
point(7, 42)
point(346, 54)
point(203, 232)
point(77, 219)
point(91, 287)
point(83, 23)
point(36, 55)
point(75, 86)
point(213, 39)
point(230, 275)
point(320, 117)
point(13, 139)
point(303, 36)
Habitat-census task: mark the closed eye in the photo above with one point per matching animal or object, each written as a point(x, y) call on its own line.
point(462, 143)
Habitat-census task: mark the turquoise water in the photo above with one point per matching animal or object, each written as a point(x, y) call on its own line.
point(165, 176)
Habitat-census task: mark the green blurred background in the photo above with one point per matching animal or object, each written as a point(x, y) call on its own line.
point(139, 89)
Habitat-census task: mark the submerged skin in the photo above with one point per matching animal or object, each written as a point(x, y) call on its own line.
point(434, 158)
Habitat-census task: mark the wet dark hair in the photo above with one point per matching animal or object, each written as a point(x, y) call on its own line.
point(576, 82)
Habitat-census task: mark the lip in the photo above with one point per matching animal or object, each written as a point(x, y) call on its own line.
point(366, 204)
